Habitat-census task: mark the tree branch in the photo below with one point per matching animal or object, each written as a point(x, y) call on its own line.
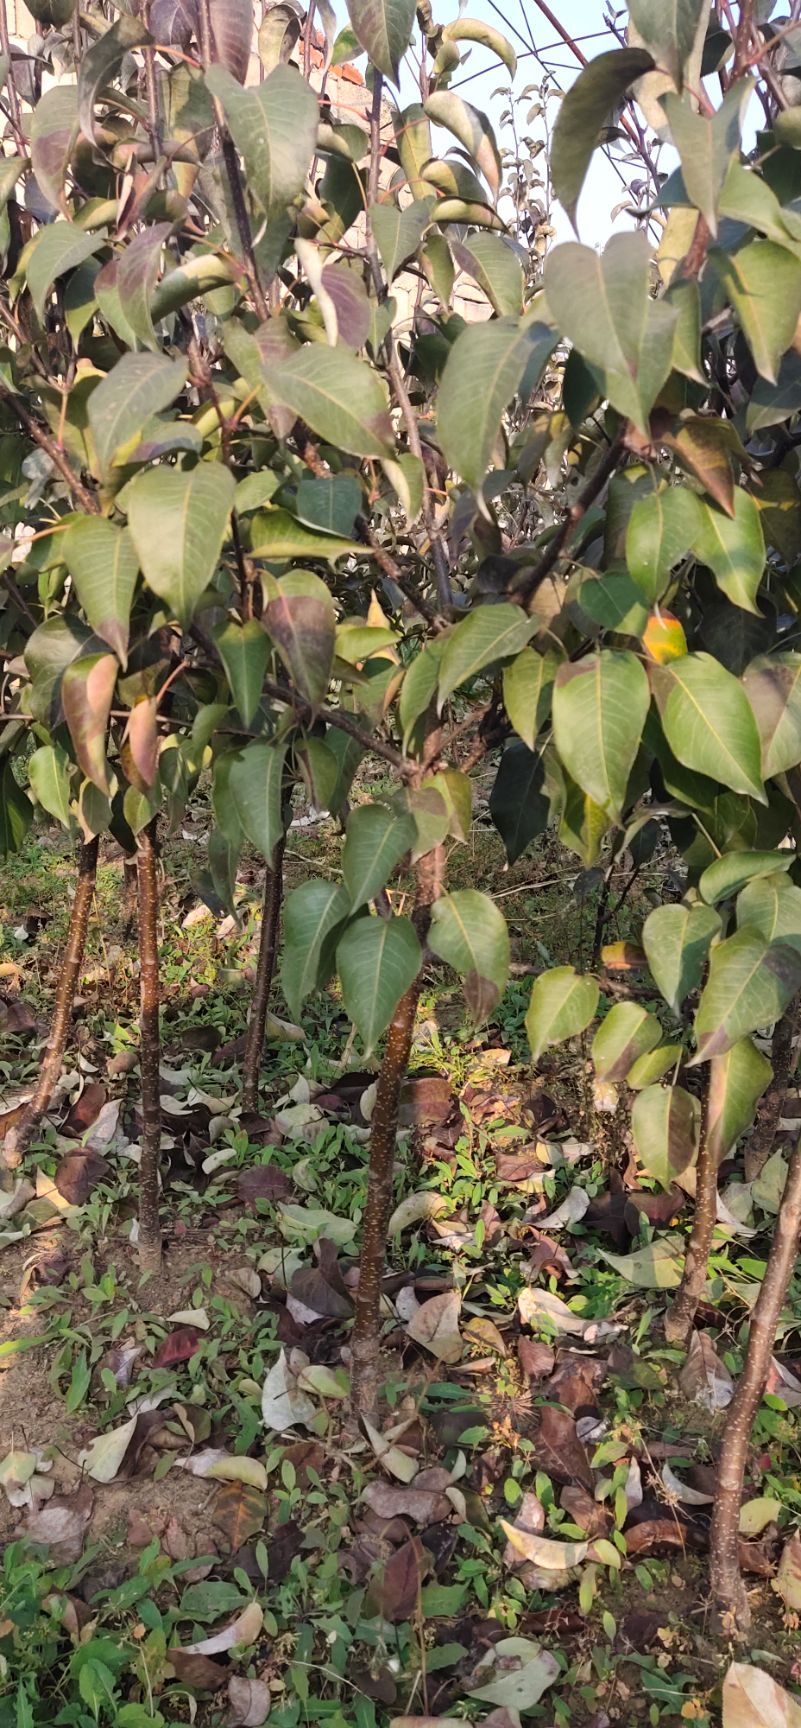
point(524, 589)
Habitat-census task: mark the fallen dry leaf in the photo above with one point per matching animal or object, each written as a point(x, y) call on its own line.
point(197, 1671)
point(422, 1505)
point(104, 1457)
point(249, 1702)
point(395, 1592)
point(60, 1525)
point(704, 1377)
point(787, 1582)
point(242, 1631)
point(239, 1511)
point(752, 1699)
point(435, 1325)
point(756, 1515)
point(541, 1551)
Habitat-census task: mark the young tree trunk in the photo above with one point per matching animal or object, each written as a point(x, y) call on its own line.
point(759, 1147)
point(365, 1344)
point(130, 897)
point(681, 1314)
point(727, 1585)
point(149, 1050)
point(271, 912)
point(18, 1139)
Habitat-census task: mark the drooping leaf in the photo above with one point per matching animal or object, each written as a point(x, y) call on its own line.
point(562, 1005)
point(312, 914)
point(494, 264)
point(676, 941)
point(244, 651)
point(256, 778)
point(706, 145)
point(274, 125)
point(376, 838)
point(750, 984)
point(377, 960)
point(16, 812)
point(586, 108)
point(231, 25)
point(518, 803)
point(727, 875)
point(486, 635)
point(476, 30)
point(137, 275)
point(469, 932)
point(773, 686)
point(54, 134)
point(87, 689)
point(763, 285)
point(472, 130)
point(627, 1032)
point(48, 773)
point(527, 685)
point(300, 619)
point(771, 905)
point(398, 233)
point(734, 548)
point(100, 63)
point(341, 398)
point(708, 722)
point(384, 30)
point(275, 534)
point(178, 520)
point(103, 565)
point(599, 709)
point(661, 530)
point(484, 370)
point(737, 1081)
point(139, 386)
point(664, 1123)
point(603, 306)
point(669, 28)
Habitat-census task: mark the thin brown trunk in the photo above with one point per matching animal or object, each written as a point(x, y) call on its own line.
point(271, 912)
point(759, 1147)
point(18, 1139)
point(149, 1051)
point(727, 1585)
point(365, 1342)
point(681, 1314)
point(130, 896)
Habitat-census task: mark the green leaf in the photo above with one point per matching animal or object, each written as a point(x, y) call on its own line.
point(763, 285)
point(603, 306)
point(475, 30)
point(627, 1033)
point(275, 534)
point(655, 1267)
point(378, 960)
point(274, 126)
point(527, 686)
point(137, 271)
point(57, 248)
point(469, 932)
point(771, 905)
point(612, 599)
point(54, 134)
point(665, 1125)
point(87, 689)
point(486, 635)
point(662, 528)
point(599, 710)
point(518, 804)
point(706, 145)
point(329, 503)
point(16, 812)
point(376, 839)
point(244, 651)
point(313, 913)
point(669, 29)
point(562, 1004)
point(708, 722)
point(137, 387)
point(384, 30)
point(750, 984)
point(256, 781)
point(300, 619)
point(341, 398)
point(737, 1081)
point(676, 940)
point(398, 233)
point(773, 687)
point(48, 651)
point(472, 130)
point(591, 99)
point(419, 687)
point(731, 872)
point(653, 1065)
point(48, 772)
point(179, 520)
point(734, 549)
point(103, 565)
point(99, 64)
point(494, 264)
point(484, 370)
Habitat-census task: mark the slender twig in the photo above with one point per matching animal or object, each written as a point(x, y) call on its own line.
point(526, 586)
point(344, 722)
point(47, 443)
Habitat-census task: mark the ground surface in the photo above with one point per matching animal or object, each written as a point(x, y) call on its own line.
point(177, 1468)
